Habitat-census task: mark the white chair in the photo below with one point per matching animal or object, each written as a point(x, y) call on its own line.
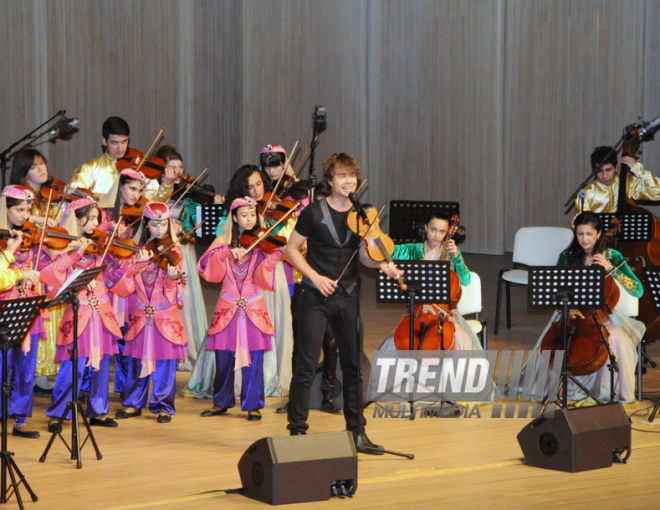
point(470, 303)
point(533, 246)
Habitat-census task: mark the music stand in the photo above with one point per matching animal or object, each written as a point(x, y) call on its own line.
point(651, 277)
point(577, 287)
point(69, 294)
point(17, 316)
point(407, 218)
point(635, 227)
point(428, 282)
point(211, 215)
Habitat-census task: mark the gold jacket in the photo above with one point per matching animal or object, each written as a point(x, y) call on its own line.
point(8, 277)
point(100, 174)
point(602, 199)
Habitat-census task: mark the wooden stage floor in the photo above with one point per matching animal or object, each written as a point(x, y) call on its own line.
point(191, 463)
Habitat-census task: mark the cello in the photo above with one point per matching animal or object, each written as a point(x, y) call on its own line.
point(433, 318)
point(586, 353)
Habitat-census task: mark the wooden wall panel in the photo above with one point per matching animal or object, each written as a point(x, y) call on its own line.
point(297, 55)
point(435, 109)
point(574, 78)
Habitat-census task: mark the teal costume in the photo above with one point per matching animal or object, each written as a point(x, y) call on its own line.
point(417, 251)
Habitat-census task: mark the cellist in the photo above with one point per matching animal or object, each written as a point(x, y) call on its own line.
point(437, 227)
point(601, 194)
point(624, 332)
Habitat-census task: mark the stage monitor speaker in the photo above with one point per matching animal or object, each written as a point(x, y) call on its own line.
point(294, 469)
point(577, 439)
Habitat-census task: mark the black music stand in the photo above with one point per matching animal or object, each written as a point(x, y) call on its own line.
point(407, 218)
point(635, 227)
point(577, 287)
point(211, 215)
point(69, 293)
point(652, 278)
point(428, 282)
point(17, 316)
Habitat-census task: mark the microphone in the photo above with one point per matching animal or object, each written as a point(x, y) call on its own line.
point(358, 207)
point(66, 124)
point(650, 128)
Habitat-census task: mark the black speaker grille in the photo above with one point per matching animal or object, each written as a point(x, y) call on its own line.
point(548, 444)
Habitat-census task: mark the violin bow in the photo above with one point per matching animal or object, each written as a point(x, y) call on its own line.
point(272, 227)
point(112, 238)
point(188, 187)
point(287, 164)
point(146, 154)
point(66, 190)
point(299, 166)
point(43, 233)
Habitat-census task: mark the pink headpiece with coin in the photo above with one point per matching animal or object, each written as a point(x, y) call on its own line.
point(273, 148)
point(18, 193)
point(156, 211)
point(240, 202)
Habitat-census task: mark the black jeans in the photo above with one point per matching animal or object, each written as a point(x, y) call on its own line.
point(313, 312)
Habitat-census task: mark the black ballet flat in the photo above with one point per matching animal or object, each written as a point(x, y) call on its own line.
point(52, 426)
point(213, 412)
point(107, 422)
point(28, 434)
point(254, 415)
point(122, 414)
point(164, 418)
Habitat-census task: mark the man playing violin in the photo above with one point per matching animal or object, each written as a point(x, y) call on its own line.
point(601, 194)
point(100, 173)
point(326, 295)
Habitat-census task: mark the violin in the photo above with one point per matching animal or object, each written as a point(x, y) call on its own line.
point(203, 194)
point(133, 212)
point(120, 248)
point(270, 207)
point(265, 242)
point(163, 253)
point(586, 354)
point(56, 238)
point(379, 246)
point(58, 188)
point(130, 159)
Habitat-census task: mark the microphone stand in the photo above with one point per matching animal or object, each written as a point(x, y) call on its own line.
point(358, 351)
point(318, 126)
point(3, 154)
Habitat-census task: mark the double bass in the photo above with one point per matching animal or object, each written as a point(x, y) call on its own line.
point(640, 254)
point(436, 320)
point(586, 353)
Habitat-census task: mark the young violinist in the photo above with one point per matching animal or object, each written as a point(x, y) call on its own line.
point(185, 216)
point(156, 336)
point(247, 181)
point(437, 227)
point(624, 332)
point(124, 193)
point(99, 174)
point(20, 278)
point(325, 297)
point(98, 330)
point(241, 328)
point(602, 193)
point(30, 169)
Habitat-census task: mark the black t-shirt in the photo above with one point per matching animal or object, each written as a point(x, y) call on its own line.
point(328, 249)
